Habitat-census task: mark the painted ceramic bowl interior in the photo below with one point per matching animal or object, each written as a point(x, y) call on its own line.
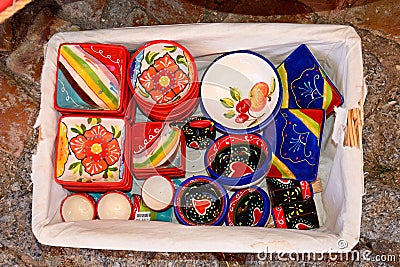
point(200, 201)
point(162, 73)
point(78, 207)
point(249, 207)
point(114, 205)
point(91, 78)
point(158, 193)
point(238, 160)
point(241, 91)
point(89, 152)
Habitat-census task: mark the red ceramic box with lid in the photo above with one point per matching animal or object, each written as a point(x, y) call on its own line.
point(91, 78)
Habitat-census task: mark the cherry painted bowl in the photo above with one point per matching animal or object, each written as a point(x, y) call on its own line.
point(200, 200)
point(238, 161)
point(241, 91)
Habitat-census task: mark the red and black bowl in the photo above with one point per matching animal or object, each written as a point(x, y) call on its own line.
point(249, 207)
point(238, 161)
point(200, 200)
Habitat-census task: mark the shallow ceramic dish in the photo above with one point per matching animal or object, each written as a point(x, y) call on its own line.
point(298, 143)
point(91, 78)
point(306, 84)
point(200, 200)
point(241, 91)
point(155, 148)
point(238, 160)
point(199, 132)
point(286, 191)
point(301, 215)
point(249, 207)
point(162, 75)
point(89, 154)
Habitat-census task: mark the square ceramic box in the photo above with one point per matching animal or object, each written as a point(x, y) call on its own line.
point(90, 154)
point(152, 143)
point(306, 84)
point(91, 78)
point(341, 167)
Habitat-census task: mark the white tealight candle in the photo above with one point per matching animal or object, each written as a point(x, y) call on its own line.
point(158, 193)
point(78, 207)
point(114, 205)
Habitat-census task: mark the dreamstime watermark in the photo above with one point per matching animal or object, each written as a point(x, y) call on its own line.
point(337, 254)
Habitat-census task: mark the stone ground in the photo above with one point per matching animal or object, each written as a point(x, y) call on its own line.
point(21, 58)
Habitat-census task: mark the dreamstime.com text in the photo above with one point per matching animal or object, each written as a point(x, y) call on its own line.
point(332, 255)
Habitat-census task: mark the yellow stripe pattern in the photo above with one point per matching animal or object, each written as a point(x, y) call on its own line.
point(284, 80)
point(312, 125)
point(283, 169)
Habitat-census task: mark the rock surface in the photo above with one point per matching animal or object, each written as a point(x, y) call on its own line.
point(21, 57)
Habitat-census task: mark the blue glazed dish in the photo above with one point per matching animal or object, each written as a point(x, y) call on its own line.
point(241, 92)
point(249, 207)
point(200, 200)
point(306, 84)
point(298, 144)
point(238, 160)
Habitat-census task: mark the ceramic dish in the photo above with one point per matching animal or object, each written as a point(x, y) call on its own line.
point(306, 84)
point(78, 207)
point(300, 215)
point(89, 154)
point(162, 76)
point(200, 201)
point(114, 205)
point(286, 191)
point(241, 91)
point(156, 148)
point(199, 132)
point(158, 193)
point(249, 207)
point(298, 144)
point(238, 160)
point(91, 78)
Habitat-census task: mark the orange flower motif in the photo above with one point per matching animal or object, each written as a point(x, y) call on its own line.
point(96, 148)
point(164, 80)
